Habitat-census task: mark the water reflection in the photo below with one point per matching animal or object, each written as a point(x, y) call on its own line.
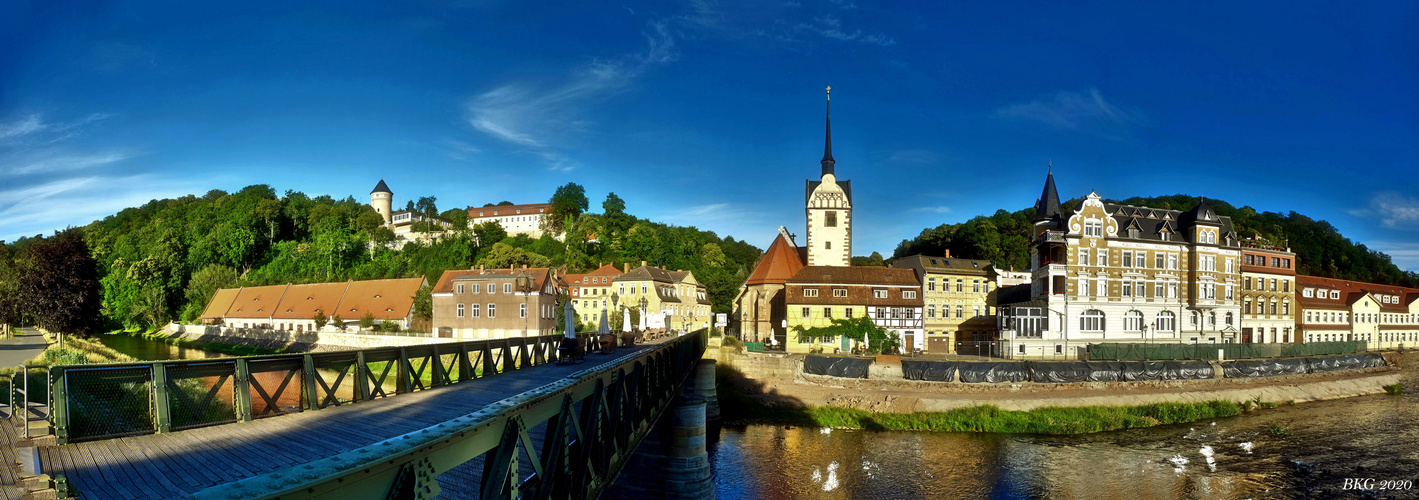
point(151, 350)
point(1325, 442)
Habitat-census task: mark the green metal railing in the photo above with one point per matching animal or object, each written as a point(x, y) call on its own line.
point(1133, 352)
point(590, 423)
point(122, 399)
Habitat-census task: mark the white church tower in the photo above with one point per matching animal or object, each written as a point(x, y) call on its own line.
point(829, 207)
point(382, 199)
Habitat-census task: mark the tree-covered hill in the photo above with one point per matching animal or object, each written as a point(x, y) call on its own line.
point(1321, 250)
point(163, 260)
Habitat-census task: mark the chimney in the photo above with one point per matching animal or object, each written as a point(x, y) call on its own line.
point(480, 269)
point(948, 253)
point(524, 266)
point(642, 263)
point(626, 268)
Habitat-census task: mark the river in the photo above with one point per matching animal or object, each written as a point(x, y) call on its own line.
point(151, 350)
point(1366, 437)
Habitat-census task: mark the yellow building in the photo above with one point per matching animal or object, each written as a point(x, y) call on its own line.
point(817, 295)
point(591, 293)
point(958, 302)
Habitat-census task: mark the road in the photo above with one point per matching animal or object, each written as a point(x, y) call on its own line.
point(27, 344)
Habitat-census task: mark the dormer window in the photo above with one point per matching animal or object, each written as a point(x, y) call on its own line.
point(1132, 232)
point(377, 296)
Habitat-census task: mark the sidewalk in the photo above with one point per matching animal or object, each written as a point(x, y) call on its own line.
point(27, 344)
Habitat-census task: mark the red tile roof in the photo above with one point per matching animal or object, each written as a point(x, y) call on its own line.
point(220, 303)
point(779, 263)
point(385, 299)
point(445, 283)
point(856, 275)
point(301, 301)
point(506, 210)
point(256, 301)
point(1350, 292)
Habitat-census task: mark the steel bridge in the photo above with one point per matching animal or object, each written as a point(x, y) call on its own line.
point(480, 419)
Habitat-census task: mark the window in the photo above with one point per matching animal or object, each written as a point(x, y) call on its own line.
point(1093, 228)
point(960, 311)
point(1273, 284)
point(1132, 233)
point(839, 292)
point(1139, 288)
point(1273, 308)
point(492, 288)
point(1092, 321)
point(931, 312)
point(930, 285)
point(1229, 319)
point(1286, 286)
point(896, 313)
point(1127, 288)
point(460, 288)
point(827, 312)
point(975, 286)
point(1307, 293)
point(1127, 259)
point(827, 245)
point(1103, 289)
point(1167, 322)
point(960, 284)
point(1250, 259)
point(1172, 261)
point(1229, 265)
point(879, 294)
point(1059, 348)
point(975, 311)
point(1103, 258)
point(507, 287)
point(492, 310)
point(1229, 292)
point(1172, 290)
point(643, 288)
point(830, 219)
point(909, 294)
point(1083, 256)
point(1158, 260)
point(881, 313)
point(460, 311)
point(1141, 259)
point(1246, 284)
point(1246, 307)
point(1022, 349)
point(522, 310)
point(806, 313)
point(1133, 321)
point(847, 313)
point(1334, 294)
point(1158, 290)
point(810, 292)
point(1196, 317)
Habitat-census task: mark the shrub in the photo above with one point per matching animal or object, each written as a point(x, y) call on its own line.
point(389, 326)
point(1393, 389)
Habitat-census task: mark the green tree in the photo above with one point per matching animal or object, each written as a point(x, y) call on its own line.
point(338, 321)
point(389, 326)
point(367, 321)
point(878, 339)
point(424, 303)
point(568, 202)
point(205, 283)
point(320, 319)
point(503, 255)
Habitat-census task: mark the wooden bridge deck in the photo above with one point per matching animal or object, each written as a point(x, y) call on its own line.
point(176, 464)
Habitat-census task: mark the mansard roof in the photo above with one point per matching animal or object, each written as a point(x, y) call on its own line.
point(1202, 213)
point(1153, 222)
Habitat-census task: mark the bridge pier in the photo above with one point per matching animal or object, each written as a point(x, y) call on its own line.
point(673, 461)
point(704, 384)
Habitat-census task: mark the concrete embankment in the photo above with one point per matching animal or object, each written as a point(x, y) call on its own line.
point(780, 379)
point(295, 341)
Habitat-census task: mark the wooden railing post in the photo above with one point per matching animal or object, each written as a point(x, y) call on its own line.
point(59, 408)
point(310, 395)
point(242, 394)
point(362, 377)
point(403, 384)
point(162, 416)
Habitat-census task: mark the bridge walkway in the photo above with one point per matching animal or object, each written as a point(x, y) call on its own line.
point(177, 464)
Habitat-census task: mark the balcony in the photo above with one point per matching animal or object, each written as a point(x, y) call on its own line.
point(1050, 237)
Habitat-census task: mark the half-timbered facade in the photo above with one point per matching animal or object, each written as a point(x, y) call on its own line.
point(818, 294)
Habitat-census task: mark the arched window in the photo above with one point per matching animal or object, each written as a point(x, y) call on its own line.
point(1133, 321)
point(1229, 319)
point(1092, 321)
point(1167, 322)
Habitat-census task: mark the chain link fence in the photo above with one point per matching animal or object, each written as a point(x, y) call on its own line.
point(201, 394)
point(109, 402)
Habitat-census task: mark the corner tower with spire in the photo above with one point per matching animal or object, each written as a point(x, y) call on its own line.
point(828, 203)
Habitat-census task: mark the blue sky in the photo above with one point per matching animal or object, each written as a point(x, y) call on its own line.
point(709, 113)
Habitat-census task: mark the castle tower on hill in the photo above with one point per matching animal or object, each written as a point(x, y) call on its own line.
point(382, 199)
point(828, 203)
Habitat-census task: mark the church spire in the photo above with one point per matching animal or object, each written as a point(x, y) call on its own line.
point(1047, 207)
point(828, 137)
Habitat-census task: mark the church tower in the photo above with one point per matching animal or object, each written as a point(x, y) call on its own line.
point(829, 206)
point(382, 199)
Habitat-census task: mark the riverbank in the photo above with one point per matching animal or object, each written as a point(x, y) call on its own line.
point(821, 401)
point(234, 348)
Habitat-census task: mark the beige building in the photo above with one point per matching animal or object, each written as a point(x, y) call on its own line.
point(1332, 310)
point(958, 302)
point(403, 222)
point(674, 295)
point(515, 219)
point(1118, 273)
point(495, 303)
point(1268, 294)
point(591, 293)
point(759, 310)
point(292, 307)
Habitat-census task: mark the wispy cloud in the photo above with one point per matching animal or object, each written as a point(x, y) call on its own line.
point(459, 150)
point(53, 162)
point(49, 206)
point(1393, 209)
point(31, 145)
point(939, 209)
point(1403, 254)
point(22, 126)
point(725, 219)
point(542, 119)
point(831, 27)
point(1087, 112)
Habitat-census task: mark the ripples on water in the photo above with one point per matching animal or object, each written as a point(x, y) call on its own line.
point(1367, 437)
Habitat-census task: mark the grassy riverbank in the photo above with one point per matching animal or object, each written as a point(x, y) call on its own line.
point(157, 335)
point(738, 407)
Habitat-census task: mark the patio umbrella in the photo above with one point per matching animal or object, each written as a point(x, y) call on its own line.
point(570, 314)
point(626, 325)
point(602, 328)
point(643, 315)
